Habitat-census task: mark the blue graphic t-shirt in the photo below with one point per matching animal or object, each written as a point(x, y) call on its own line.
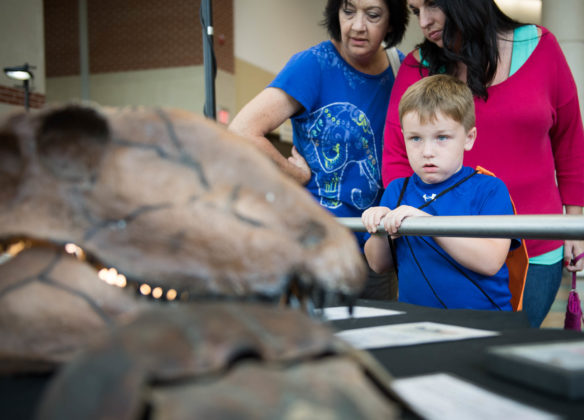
point(340, 131)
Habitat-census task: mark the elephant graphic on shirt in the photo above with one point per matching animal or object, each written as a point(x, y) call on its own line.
point(341, 145)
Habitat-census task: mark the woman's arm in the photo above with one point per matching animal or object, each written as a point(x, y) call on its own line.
point(264, 113)
point(567, 137)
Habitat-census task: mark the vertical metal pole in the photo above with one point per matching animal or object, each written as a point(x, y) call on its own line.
point(26, 95)
point(209, 58)
point(84, 50)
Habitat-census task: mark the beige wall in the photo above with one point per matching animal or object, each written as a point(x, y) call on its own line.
point(21, 38)
point(564, 19)
point(528, 11)
point(5, 108)
point(250, 79)
point(181, 87)
point(267, 33)
point(21, 41)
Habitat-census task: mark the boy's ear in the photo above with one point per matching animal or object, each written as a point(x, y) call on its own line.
point(471, 136)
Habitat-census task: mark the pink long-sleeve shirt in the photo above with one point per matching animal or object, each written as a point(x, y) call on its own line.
point(529, 134)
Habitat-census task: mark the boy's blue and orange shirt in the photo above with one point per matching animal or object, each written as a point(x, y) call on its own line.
point(340, 131)
point(427, 274)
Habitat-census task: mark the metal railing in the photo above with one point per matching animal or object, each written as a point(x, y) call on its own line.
point(517, 226)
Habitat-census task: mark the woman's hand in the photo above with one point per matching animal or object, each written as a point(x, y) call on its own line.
point(263, 114)
point(571, 250)
point(304, 173)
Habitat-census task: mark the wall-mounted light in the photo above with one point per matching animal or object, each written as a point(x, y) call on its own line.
point(24, 74)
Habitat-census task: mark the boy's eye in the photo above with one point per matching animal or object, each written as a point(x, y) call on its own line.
point(415, 138)
point(442, 138)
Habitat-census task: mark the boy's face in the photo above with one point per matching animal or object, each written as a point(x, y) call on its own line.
point(435, 149)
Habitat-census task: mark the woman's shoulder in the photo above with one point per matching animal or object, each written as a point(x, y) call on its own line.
point(409, 73)
point(542, 30)
point(324, 55)
point(309, 59)
point(546, 36)
point(548, 48)
point(415, 56)
point(411, 63)
point(324, 47)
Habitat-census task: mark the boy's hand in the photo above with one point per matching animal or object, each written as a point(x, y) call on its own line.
point(371, 218)
point(394, 218)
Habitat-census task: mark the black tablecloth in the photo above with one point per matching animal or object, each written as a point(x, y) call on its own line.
point(466, 358)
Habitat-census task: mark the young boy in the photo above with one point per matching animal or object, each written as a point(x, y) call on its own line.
point(438, 122)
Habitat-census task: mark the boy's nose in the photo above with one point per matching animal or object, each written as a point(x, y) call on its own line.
point(428, 149)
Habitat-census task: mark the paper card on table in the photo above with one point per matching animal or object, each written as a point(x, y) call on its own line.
point(443, 396)
point(342, 312)
point(408, 334)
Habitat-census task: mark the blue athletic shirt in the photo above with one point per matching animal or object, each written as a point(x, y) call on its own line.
point(340, 130)
point(427, 274)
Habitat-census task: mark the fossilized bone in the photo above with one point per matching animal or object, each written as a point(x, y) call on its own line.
point(171, 205)
point(183, 362)
point(171, 200)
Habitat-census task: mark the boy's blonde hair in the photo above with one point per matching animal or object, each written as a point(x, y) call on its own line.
point(439, 93)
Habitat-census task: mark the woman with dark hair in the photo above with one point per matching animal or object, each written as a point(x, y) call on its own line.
point(335, 94)
point(529, 125)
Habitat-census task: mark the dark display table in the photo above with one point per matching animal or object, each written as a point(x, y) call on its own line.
point(466, 358)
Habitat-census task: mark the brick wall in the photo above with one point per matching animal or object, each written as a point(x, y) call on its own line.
point(15, 96)
point(129, 35)
point(61, 37)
